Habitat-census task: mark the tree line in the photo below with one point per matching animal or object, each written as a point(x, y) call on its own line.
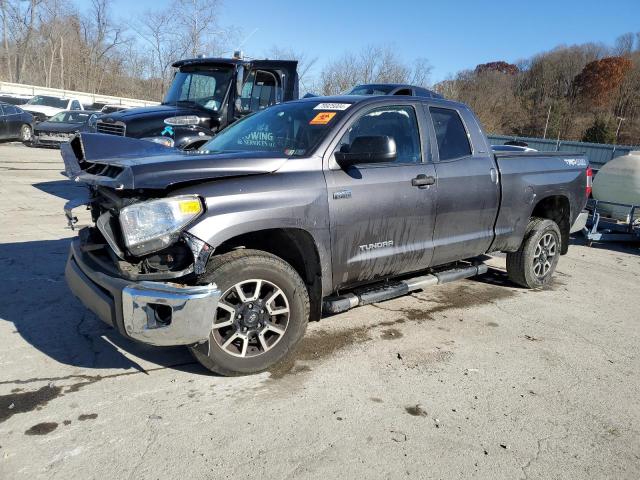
point(53, 43)
point(585, 92)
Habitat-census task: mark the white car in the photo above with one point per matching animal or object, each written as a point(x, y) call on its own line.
point(43, 107)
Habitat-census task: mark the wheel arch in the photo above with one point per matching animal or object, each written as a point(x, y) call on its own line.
point(558, 209)
point(295, 246)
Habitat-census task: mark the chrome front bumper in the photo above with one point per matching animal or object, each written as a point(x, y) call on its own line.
point(155, 313)
point(168, 314)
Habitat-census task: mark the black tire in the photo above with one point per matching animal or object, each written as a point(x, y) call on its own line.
point(26, 133)
point(244, 265)
point(528, 268)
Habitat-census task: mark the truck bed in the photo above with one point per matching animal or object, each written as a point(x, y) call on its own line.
point(528, 177)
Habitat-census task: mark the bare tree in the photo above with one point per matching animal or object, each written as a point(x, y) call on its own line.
point(158, 33)
point(373, 64)
point(197, 23)
point(305, 64)
point(623, 45)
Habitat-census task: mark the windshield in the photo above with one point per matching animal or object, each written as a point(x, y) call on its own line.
point(371, 90)
point(70, 117)
point(202, 87)
point(292, 129)
point(47, 101)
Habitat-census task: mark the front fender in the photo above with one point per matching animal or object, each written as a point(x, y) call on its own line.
point(273, 201)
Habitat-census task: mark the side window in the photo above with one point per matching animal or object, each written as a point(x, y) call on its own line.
point(261, 90)
point(10, 110)
point(450, 133)
point(2, 107)
point(398, 123)
point(75, 105)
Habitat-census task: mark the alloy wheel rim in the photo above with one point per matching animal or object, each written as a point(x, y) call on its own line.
point(251, 318)
point(26, 133)
point(543, 256)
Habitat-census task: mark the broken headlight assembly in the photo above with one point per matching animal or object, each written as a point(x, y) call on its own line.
point(155, 224)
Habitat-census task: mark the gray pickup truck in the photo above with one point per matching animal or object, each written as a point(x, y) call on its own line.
point(316, 205)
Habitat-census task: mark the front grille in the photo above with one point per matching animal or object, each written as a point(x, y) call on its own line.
point(117, 128)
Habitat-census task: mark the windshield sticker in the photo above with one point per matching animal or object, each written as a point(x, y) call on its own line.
point(322, 118)
point(332, 106)
point(261, 137)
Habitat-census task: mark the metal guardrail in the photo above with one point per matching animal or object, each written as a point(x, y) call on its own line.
point(84, 97)
point(597, 153)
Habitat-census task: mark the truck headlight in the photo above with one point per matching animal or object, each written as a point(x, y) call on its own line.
point(151, 226)
point(182, 120)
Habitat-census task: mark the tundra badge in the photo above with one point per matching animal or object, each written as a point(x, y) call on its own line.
point(373, 246)
point(339, 195)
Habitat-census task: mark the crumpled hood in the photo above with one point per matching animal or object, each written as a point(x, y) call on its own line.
point(126, 163)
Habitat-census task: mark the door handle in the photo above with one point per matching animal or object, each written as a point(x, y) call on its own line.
point(423, 181)
point(494, 175)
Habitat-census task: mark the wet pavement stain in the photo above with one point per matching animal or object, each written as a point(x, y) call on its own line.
point(319, 345)
point(416, 411)
point(492, 324)
point(42, 428)
point(466, 294)
point(23, 402)
point(391, 334)
point(87, 416)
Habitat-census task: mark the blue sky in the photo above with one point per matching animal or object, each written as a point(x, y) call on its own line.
point(452, 35)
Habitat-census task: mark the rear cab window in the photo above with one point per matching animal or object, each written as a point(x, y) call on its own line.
point(451, 136)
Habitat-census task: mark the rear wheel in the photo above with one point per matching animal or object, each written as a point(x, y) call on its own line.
point(26, 133)
point(533, 264)
point(261, 316)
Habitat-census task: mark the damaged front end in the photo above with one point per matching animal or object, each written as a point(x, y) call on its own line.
point(136, 267)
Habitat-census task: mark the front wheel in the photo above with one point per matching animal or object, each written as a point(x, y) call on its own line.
point(26, 133)
point(261, 316)
point(533, 264)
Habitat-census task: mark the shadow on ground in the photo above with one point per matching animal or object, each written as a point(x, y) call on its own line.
point(35, 298)
point(632, 248)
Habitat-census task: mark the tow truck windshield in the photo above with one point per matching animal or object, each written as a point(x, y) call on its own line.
point(205, 88)
point(290, 129)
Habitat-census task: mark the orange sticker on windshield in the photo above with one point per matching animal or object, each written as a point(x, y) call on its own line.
point(322, 118)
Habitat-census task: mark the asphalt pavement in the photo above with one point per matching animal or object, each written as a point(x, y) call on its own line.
point(475, 379)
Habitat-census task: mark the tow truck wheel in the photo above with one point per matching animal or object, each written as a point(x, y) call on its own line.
point(533, 264)
point(261, 316)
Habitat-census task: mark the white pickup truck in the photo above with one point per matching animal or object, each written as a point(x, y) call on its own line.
point(43, 107)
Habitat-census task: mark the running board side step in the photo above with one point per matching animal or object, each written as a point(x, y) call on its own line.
point(387, 291)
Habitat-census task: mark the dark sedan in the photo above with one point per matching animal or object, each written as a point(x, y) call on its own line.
point(393, 89)
point(15, 123)
point(61, 127)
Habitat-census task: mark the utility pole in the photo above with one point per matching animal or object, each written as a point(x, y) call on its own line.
point(546, 125)
point(615, 142)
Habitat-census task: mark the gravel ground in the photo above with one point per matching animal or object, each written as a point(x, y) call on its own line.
point(474, 379)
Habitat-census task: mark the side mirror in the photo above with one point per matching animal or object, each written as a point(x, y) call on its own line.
point(367, 149)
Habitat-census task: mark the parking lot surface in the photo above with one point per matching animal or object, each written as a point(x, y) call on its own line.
point(473, 379)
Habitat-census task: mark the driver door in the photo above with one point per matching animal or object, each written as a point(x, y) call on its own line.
point(382, 215)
